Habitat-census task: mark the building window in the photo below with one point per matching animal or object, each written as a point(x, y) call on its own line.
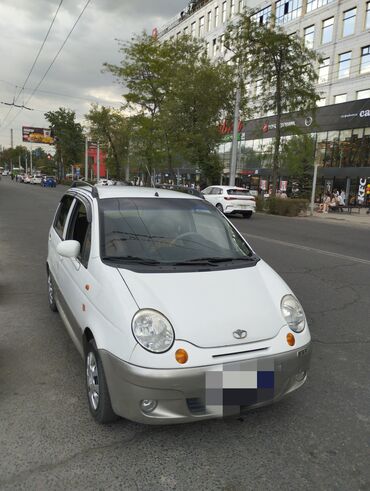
point(309, 36)
point(217, 15)
point(338, 99)
point(178, 34)
point(324, 71)
point(241, 6)
point(365, 60)
point(363, 94)
point(315, 4)
point(367, 21)
point(321, 102)
point(327, 30)
point(207, 49)
point(287, 10)
point(209, 21)
point(349, 21)
point(222, 43)
point(344, 64)
point(215, 47)
point(186, 31)
point(263, 16)
point(232, 8)
point(192, 29)
point(201, 27)
point(223, 12)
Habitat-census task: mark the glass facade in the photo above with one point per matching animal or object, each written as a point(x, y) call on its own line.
point(287, 10)
point(324, 71)
point(263, 16)
point(315, 4)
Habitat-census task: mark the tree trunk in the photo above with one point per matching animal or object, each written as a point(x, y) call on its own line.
point(276, 157)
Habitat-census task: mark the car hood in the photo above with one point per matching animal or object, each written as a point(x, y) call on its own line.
point(206, 307)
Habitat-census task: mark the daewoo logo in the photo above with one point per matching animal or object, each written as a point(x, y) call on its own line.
point(240, 334)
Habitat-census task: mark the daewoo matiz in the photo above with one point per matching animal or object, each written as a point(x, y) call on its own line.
point(176, 316)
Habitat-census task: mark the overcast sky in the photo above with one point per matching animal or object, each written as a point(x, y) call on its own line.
point(75, 80)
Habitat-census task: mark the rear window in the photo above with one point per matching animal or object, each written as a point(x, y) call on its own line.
point(239, 192)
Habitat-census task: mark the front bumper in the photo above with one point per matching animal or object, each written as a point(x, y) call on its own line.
point(183, 394)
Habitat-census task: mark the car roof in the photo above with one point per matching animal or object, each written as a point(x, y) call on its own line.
point(227, 187)
point(105, 192)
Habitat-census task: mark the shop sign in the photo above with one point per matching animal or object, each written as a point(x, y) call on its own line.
point(361, 190)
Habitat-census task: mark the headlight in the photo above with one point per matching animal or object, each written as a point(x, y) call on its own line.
point(293, 313)
point(153, 331)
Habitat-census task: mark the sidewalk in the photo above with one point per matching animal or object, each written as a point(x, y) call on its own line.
point(353, 218)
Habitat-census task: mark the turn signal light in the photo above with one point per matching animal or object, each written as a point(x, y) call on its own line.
point(181, 356)
point(290, 339)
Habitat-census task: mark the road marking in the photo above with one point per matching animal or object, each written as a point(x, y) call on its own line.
point(309, 249)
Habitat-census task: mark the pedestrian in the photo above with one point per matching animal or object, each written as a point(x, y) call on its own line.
point(12, 176)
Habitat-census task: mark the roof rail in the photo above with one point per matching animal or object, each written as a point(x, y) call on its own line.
point(94, 189)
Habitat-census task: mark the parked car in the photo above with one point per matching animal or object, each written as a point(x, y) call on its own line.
point(175, 315)
point(231, 200)
point(26, 179)
point(5, 173)
point(36, 179)
point(48, 182)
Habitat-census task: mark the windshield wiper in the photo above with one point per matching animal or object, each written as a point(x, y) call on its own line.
point(134, 259)
point(212, 260)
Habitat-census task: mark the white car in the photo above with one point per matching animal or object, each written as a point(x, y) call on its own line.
point(175, 315)
point(36, 179)
point(26, 179)
point(5, 173)
point(231, 200)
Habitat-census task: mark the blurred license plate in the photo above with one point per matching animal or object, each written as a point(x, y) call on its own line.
point(245, 386)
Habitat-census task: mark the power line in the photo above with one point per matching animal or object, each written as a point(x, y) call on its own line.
point(35, 61)
point(53, 61)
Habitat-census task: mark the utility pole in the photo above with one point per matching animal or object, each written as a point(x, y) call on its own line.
point(98, 163)
point(314, 181)
point(31, 160)
point(86, 159)
point(11, 138)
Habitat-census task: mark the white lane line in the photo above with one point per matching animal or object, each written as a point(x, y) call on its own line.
point(308, 249)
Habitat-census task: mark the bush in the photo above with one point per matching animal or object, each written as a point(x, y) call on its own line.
point(286, 207)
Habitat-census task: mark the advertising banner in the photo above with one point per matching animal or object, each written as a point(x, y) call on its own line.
point(263, 184)
point(283, 185)
point(37, 135)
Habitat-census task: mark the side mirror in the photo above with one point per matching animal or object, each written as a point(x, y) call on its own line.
point(69, 248)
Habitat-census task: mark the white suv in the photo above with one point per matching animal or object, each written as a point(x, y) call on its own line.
point(176, 317)
point(231, 200)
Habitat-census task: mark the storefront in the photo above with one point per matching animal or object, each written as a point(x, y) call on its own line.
point(339, 136)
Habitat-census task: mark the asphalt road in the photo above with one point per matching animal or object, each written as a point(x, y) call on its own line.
point(315, 439)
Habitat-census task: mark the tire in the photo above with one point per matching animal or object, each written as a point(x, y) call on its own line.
point(96, 387)
point(220, 207)
point(247, 214)
point(51, 294)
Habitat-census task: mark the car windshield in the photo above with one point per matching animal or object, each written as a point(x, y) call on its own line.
point(162, 231)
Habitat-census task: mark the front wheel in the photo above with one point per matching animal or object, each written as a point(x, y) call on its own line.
point(247, 214)
point(220, 207)
point(97, 388)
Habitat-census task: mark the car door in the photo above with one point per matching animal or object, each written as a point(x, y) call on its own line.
point(74, 272)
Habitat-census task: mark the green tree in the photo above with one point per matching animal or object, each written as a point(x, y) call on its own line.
point(112, 129)
point(297, 158)
point(178, 98)
point(69, 143)
point(282, 65)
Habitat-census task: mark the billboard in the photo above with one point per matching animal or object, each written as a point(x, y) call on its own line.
point(37, 135)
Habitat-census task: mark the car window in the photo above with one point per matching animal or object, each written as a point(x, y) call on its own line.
point(216, 191)
point(80, 229)
point(62, 213)
point(207, 190)
point(239, 192)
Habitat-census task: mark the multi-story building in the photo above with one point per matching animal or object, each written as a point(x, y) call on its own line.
point(340, 31)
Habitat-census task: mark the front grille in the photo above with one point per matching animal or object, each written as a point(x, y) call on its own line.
point(196, 406)
point(240, 352)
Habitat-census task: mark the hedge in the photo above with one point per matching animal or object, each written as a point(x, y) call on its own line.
point(283, 206)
